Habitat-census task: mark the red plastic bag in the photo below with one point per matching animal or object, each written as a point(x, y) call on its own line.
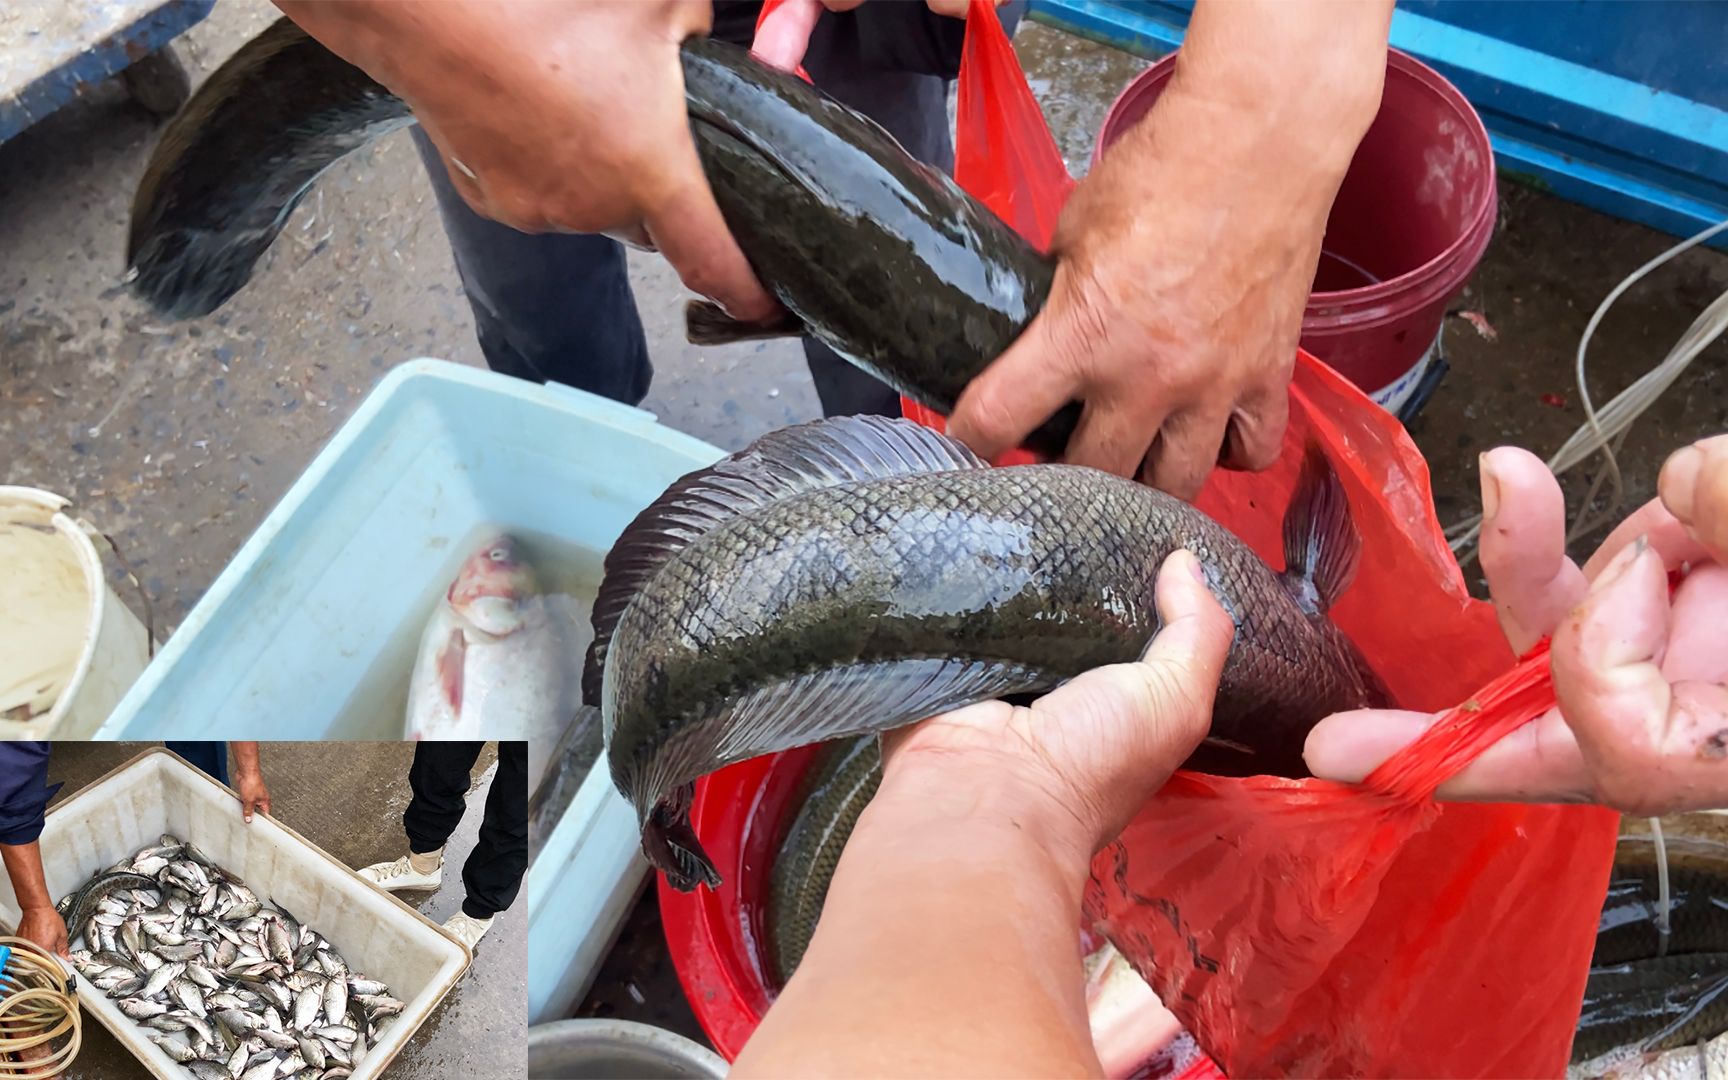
point(1312, 928)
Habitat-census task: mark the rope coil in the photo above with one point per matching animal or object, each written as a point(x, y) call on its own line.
point(38, 1007)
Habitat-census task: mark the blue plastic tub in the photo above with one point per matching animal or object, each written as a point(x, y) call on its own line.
point(310, 632)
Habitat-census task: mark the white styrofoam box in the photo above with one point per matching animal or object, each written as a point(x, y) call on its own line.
point(158, 792)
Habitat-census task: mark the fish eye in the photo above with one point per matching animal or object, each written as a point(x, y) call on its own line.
point(498, 554)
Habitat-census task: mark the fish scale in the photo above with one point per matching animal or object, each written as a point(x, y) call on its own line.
point(221, 1024)
point(809, 609)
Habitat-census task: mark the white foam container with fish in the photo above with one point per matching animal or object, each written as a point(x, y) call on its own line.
point(158, 792)
point(311, 631)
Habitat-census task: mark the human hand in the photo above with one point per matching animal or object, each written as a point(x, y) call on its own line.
point(784, 35)
point(1186, 257)
point(45, 927)
point(1641, 676)
point(1076, 764)
point(556, 117)
point(254, 795)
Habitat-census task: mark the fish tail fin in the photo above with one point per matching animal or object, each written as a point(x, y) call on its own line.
point(671, 845)
point(706, 323)
point(1321, 544)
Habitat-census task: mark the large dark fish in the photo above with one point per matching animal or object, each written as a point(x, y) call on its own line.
point(886, 260)
point(92, 894)
point(839, 784)
point(1697, 907)
point(1653, 1004)
point(858, 574)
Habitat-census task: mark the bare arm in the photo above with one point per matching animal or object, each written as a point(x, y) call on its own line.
point(249, 779)
point(555, 116)
point(1187, 255)
point(39, 922)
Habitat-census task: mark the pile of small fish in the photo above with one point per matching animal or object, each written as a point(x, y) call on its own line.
point(231, 988)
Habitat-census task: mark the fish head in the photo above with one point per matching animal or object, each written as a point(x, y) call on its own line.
point(493, 586)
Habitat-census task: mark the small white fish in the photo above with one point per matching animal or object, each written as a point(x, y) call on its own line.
point(497, 660)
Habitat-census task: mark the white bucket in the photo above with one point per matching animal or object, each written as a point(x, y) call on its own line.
point(69, 649)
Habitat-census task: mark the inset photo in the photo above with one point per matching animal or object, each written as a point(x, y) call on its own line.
point(246, 910)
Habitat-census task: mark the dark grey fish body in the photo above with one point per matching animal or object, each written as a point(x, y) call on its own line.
point(858, 574)
point(884, 259)
point(578, 748)
point(1654, 1004)
point(839, 784)
point(1697, 909)
point(94, 893)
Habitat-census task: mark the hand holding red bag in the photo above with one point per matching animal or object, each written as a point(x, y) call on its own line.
point(1305, 927)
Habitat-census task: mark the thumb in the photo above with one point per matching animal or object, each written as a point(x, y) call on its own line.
point(1168, 693)
point(784, 35)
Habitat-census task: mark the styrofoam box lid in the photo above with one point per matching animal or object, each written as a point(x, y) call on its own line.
point(158, 792)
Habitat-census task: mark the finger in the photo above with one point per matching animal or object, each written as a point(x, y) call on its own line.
point(1532, 582)
point(1175, 682)
point(1539, 762)
point(1185, 453)
point(264, 804)
point(1660, 529)
point(688, 229)
point(1699, 611)
point(784, 35)
point(1694, 488)
point(1112, 439)
point(1040, 373)
point(1607, 674)
point(1254, 438)
point(246, 810)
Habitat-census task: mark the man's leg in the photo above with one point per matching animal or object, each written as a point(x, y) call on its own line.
point(547, 307)
point(439, 780)
point(493, 872)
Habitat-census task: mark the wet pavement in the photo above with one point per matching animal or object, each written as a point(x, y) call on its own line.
point(348, 798)
point(178, 438)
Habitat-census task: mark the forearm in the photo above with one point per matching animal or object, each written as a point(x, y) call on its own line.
point(246, 758)
point(948, 946)
point(24, 869)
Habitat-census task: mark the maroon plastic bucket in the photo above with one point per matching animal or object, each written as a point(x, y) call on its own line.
point(1409, 227)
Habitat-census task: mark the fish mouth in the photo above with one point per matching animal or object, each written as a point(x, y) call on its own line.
point(493, 611)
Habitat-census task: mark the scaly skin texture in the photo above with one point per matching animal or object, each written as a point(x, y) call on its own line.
point(884, 259)
point(1050, 567)
point(838, 786)
point(1698, 902)
point(1627, 1004)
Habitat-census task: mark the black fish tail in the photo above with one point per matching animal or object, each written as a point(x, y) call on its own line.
point(1321, 544)
point(672, 848)
point(706, 323)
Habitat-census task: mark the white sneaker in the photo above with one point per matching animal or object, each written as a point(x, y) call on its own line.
point(467, 928)
point(401, 874)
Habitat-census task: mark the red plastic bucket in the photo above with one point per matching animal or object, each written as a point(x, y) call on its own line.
point(1410, 224)
point(716, 937)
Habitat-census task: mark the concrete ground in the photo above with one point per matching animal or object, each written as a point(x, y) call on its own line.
point(178, 438)
point(348, 798)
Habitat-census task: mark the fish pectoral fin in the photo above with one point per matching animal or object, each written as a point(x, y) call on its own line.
point(450, 666)
point(783, 463)
point(1321, 544)
point(670, 844)
point(706, 323)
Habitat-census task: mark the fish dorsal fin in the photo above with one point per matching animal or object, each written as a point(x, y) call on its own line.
point(1321, 545)
point(783, 463)
point(851, 699)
